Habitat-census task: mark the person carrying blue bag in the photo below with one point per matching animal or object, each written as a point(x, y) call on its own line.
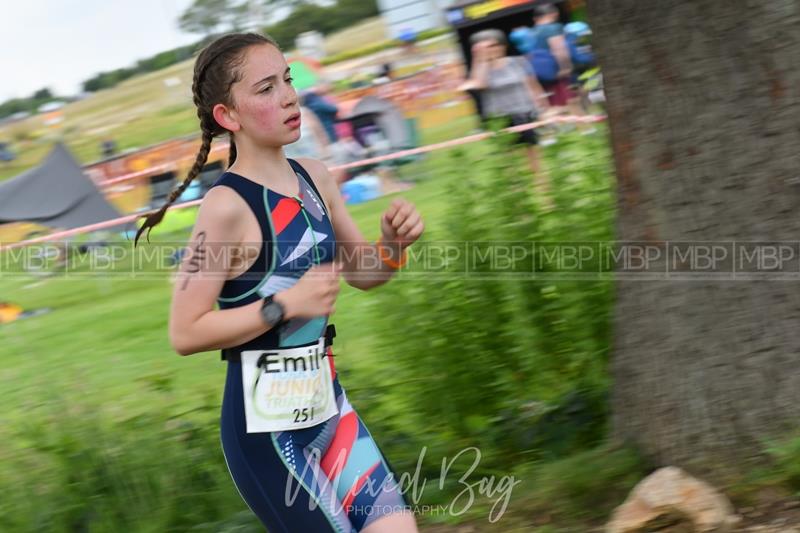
point(578, 37)
point(545, 45)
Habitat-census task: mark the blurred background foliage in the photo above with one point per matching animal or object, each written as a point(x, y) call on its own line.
point(113, 431)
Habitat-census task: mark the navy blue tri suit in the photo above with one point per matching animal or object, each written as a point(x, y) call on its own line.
point(330, 495)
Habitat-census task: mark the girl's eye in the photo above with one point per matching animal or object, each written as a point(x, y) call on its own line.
point(266, 89)
point(289, 80)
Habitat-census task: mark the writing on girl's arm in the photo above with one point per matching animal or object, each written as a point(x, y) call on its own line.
point(194, 324)
point(196, 258)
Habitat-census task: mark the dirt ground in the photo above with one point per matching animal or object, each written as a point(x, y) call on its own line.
point(780, 516)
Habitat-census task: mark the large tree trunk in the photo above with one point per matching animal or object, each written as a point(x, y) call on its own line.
point(704, 109)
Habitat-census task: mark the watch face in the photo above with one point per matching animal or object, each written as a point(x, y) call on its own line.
point(272, 313)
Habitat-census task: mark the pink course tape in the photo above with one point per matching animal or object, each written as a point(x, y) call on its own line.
point(388, 157)
point(93, 227)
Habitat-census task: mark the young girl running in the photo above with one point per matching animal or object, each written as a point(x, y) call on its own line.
point(272, 238)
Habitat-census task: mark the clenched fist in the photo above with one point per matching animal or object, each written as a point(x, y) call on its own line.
point(401, 223)
point(314, 294)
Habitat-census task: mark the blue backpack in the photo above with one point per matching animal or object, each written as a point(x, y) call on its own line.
point(542, 60)
point(544, 64)
point(580, 54)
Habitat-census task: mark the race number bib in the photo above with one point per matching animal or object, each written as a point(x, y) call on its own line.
point(287, 389)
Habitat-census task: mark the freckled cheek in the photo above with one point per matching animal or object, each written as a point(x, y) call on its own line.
point(264, 116)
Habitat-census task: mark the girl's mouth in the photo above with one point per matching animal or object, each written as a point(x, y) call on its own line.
point(293, 121)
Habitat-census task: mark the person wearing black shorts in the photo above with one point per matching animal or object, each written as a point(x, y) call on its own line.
point(509, 91)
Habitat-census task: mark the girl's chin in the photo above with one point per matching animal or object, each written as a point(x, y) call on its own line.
point(276, 142)
point(294, 136)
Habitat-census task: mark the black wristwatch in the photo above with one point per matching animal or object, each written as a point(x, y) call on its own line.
point(271, 312)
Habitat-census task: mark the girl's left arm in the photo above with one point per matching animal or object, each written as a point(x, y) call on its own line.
point(366, 265)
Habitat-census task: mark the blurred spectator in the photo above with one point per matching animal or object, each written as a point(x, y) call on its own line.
point(549, 54)
point(9, 312)
point(318, 101)
point(108, 148)
point(579, 40)
point(385, 74)
point(6, 155)
point(408, 39)
point(470, 87)
point(509, 90)
point(314, 143)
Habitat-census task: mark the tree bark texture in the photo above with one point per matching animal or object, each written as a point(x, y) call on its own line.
point(703, 100)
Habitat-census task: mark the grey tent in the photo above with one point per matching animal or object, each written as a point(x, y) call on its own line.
point(55, 194)
point(386, 116)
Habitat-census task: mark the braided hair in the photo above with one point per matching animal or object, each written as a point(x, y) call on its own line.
point(215, 71)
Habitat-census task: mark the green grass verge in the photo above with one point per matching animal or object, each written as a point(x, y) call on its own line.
point(104, 423)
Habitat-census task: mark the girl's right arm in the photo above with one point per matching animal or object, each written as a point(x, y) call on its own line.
point(194, 325)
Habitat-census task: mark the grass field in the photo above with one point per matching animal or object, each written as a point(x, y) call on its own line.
point(138, 112)
point(103, 349)
point(95, 380)
point(362, 34)
point(103, 352)
point(77, 302)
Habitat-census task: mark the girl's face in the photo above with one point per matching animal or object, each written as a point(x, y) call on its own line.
point(265, 107)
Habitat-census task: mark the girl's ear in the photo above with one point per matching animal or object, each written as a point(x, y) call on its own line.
point(226, 117)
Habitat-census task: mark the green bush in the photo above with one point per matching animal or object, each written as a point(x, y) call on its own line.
point(775, 473)
point(79, 470)
point(584, 487)
point(514, 367)
point(785, 458)
point(510, 362)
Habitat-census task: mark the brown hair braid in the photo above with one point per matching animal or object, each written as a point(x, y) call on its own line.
point(215, 71)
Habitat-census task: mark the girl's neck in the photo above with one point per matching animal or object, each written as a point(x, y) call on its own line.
point(267, 166)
